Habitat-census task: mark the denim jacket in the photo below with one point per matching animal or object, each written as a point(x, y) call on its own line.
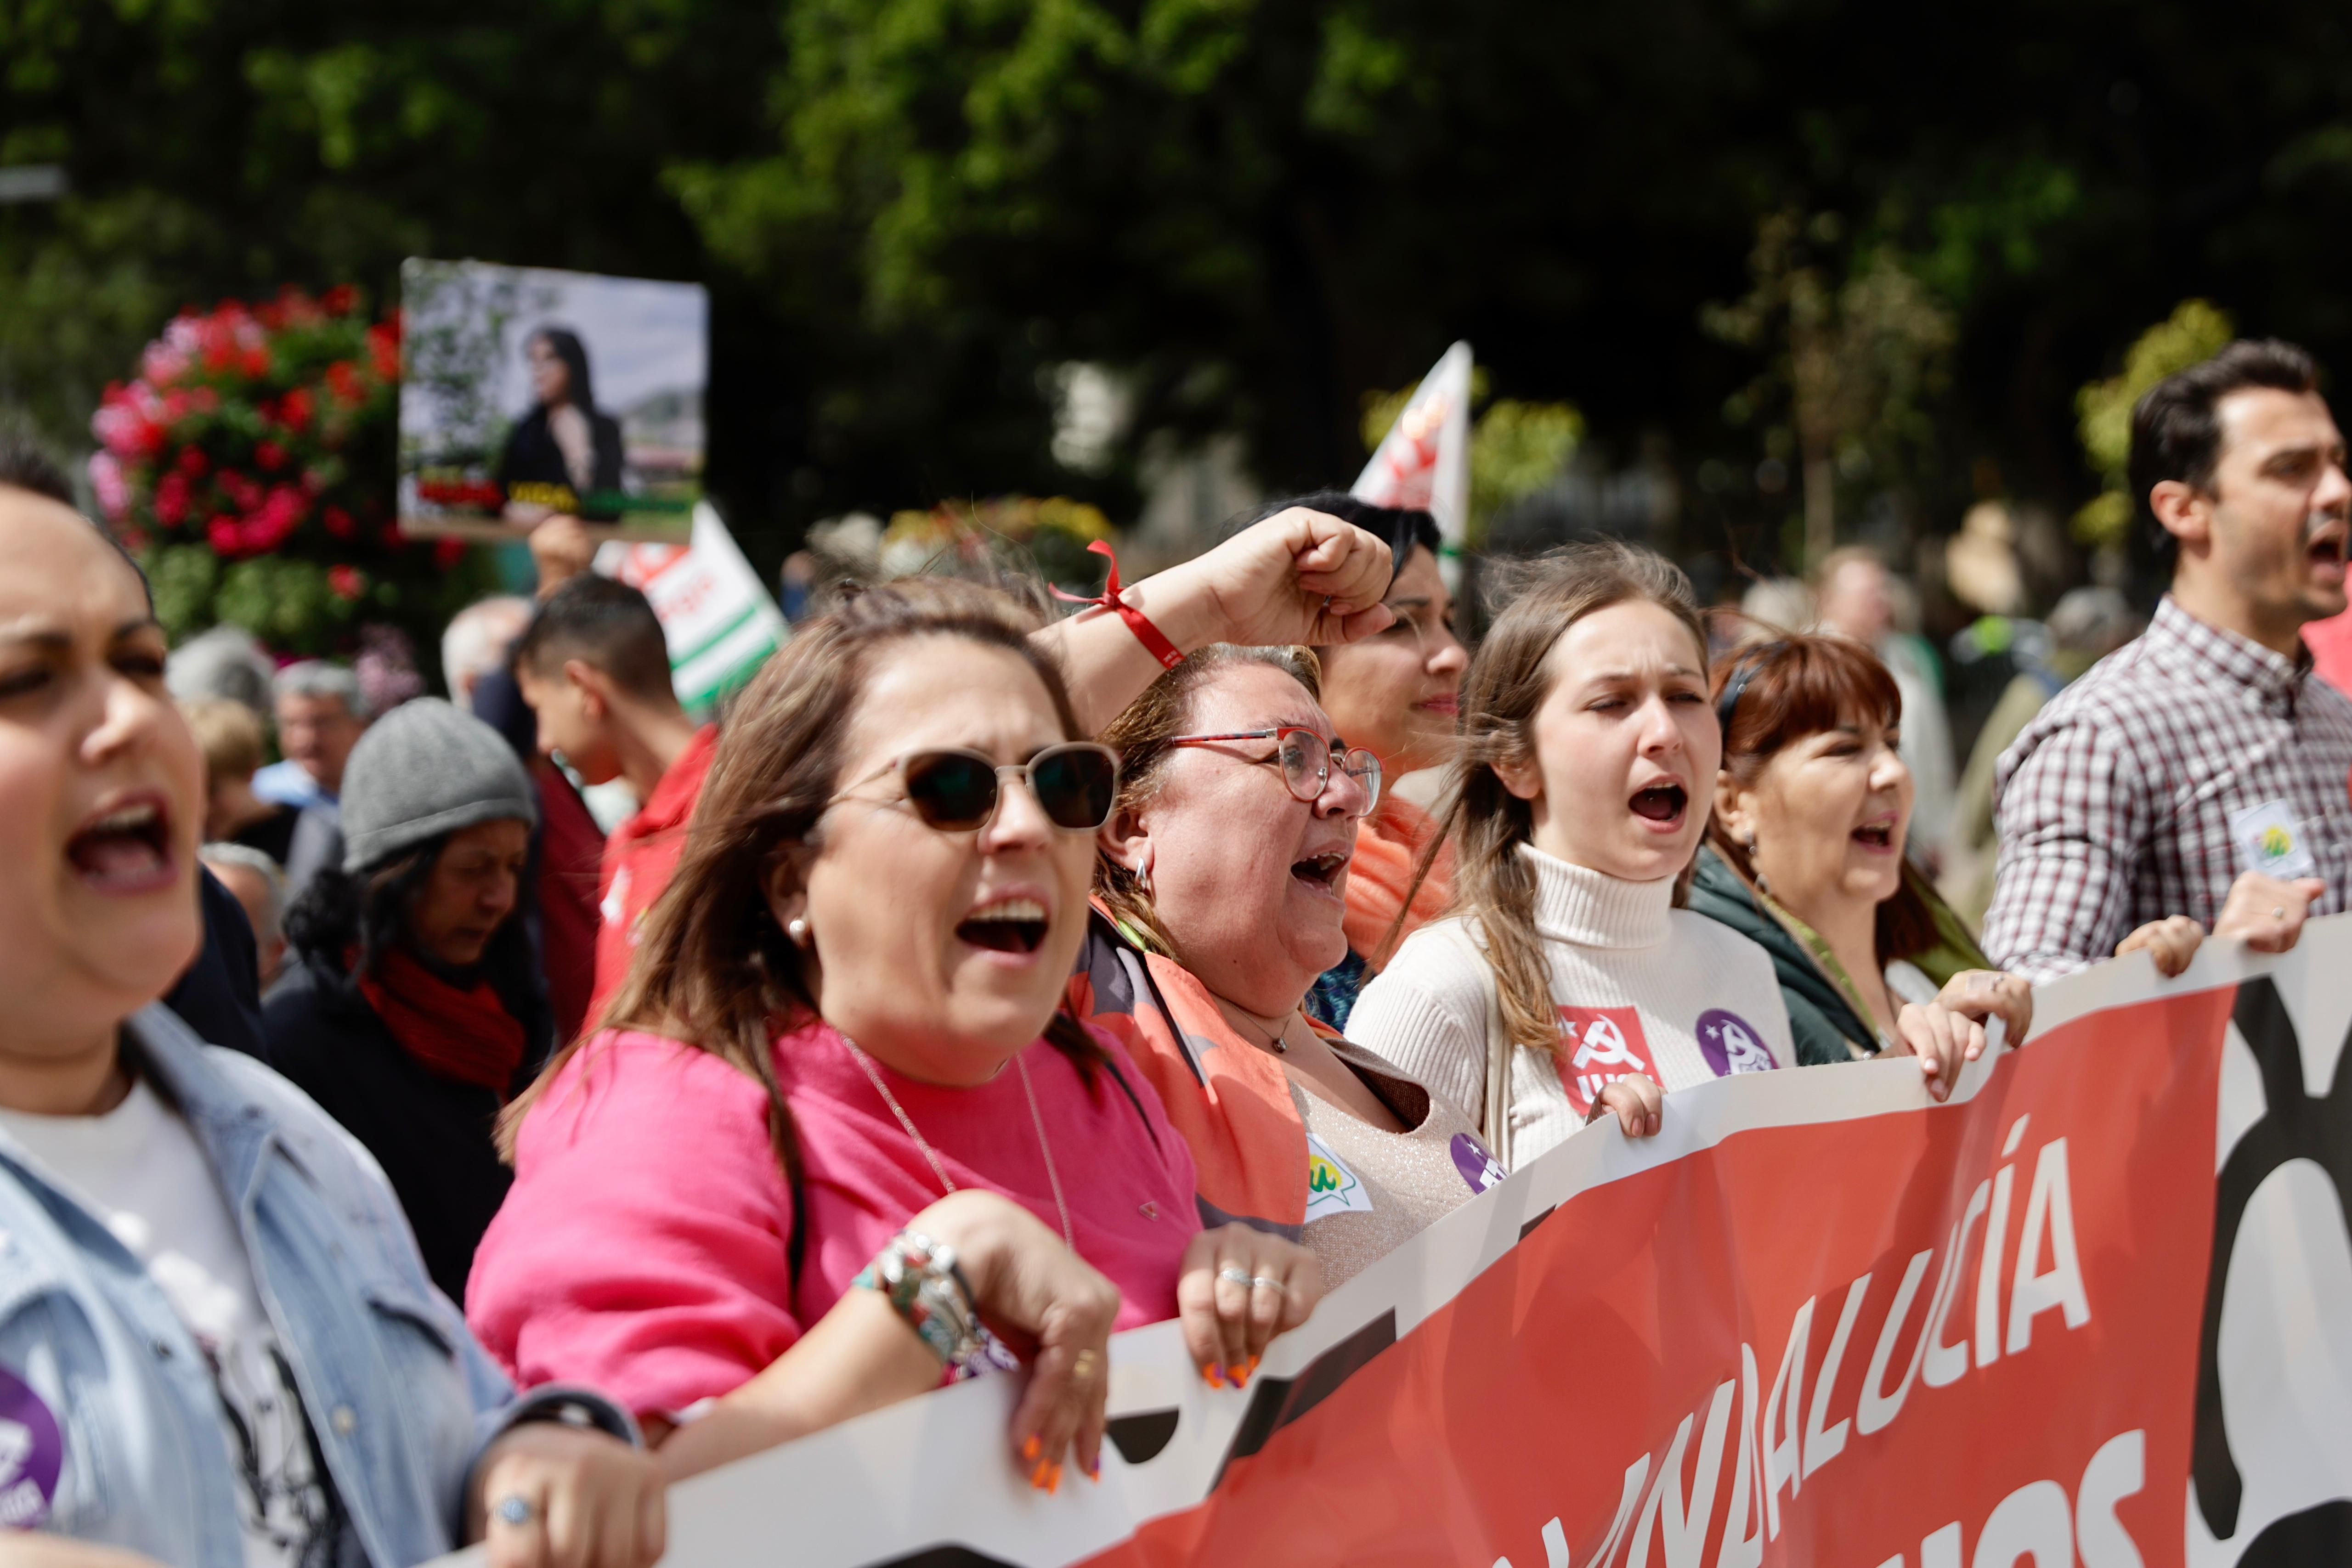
point(401, 1399)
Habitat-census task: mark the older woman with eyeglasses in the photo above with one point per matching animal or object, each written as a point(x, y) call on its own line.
point(1222, 892)
point(842, 1013)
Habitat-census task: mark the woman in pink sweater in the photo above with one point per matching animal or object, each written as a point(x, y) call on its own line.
point(843, 1011)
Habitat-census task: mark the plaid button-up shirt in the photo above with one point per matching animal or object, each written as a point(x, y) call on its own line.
point(2114, 807)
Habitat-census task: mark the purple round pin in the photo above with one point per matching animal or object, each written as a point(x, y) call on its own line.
point(32, 1452)
point(1730, 1045)
point(1478, 1167)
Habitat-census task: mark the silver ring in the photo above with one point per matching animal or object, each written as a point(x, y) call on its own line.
point(1268, 1281)
point(1238, 1276)
point(515, 1509)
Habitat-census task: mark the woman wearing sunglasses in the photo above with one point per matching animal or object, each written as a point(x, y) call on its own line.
point(1223, 883)
point(843, 1011)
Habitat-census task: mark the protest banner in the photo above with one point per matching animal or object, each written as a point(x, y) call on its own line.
point(717, 618)
point(2095, 1308)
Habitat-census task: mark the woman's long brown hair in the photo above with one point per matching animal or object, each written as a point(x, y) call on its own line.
point(713, 969)
point(1507, 682)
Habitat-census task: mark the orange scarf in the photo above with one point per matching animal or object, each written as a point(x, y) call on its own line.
point(1389, 846)
point(466, 1035)
point(1229, 1101)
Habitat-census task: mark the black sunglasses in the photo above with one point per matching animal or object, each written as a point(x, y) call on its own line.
point(957, 792)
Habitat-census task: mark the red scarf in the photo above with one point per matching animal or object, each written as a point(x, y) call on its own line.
point(466, 1035)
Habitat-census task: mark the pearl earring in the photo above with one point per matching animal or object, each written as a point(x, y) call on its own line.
point(798, 930)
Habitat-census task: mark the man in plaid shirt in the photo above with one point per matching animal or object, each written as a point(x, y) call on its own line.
point(2198, 779)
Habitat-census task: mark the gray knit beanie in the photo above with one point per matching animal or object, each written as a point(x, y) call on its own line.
point(424, 769)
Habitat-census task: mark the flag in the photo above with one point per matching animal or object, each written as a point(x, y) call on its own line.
point(716, 615)
point(1424, 462)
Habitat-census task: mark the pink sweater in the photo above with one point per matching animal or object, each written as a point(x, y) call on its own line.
point(643, 1249)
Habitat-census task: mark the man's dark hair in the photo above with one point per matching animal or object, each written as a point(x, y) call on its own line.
point(26, 464)
point(1400, 527)
point(2176, 431)
point(605, 624)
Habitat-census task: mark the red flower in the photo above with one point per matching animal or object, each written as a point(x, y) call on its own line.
point(344, 381)
point(242, 491)
point(338, 523)
point(340, 300)
point(295, 410)
point(347, 581)
point(280, 516)
point(171, 499)
point(270, 455)
point(383, 347)
point(193, 463)
point(222, 534)
point(257, 363)
point(448, 553)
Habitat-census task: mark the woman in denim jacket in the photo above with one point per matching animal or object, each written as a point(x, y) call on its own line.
point(218, 1344)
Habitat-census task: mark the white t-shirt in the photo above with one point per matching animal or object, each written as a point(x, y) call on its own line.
point(139, 1171)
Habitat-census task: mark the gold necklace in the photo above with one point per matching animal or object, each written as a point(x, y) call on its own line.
point(1036, 1119)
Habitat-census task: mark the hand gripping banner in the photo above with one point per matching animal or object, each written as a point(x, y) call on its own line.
point(2096, 1309)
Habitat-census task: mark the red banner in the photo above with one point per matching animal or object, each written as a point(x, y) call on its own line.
point(1870, 1342)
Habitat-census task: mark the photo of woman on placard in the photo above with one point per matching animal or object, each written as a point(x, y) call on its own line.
point(565, 451)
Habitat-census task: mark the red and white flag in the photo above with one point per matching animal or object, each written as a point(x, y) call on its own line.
point(1424, 462)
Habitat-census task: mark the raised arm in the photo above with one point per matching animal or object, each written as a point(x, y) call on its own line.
point(1297, 576)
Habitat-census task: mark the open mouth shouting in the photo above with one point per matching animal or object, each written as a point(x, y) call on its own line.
point(1011, 924)
point(1663, 805)
point(2325, 549)
point(126, 847)
point(1876, 835)
point(1321, 873)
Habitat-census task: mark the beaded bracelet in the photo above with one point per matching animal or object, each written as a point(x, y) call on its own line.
point(920, 1279)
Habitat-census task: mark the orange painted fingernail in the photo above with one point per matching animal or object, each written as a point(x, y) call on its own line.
point(1053, 1482)
point(1029, 1450)
point(1094, 1470)
point(1039, 1476)
point(1214, 1375)
point(1252, 1366)
point(1241, 1375)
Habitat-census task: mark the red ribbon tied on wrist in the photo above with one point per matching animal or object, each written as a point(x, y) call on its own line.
point(1154, 641)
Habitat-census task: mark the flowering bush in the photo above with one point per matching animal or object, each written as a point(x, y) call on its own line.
point(250, 461)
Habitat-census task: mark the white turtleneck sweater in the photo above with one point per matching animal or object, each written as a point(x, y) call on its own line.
point(1642, 988)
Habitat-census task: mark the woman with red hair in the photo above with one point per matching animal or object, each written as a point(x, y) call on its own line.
point(1805, 857)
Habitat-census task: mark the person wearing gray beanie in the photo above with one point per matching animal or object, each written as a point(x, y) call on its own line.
point(411, 1009)
point(424, 769)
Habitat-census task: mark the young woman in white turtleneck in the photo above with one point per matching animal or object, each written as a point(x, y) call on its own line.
point(1566, 983)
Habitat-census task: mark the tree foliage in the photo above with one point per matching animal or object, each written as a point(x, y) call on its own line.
point(913, 213)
